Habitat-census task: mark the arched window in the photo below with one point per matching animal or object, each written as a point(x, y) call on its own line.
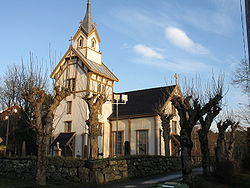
point(93, 43)
point(80, 42)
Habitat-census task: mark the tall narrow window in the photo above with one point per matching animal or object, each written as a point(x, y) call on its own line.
point(71, 84)
point(68, 126)
point(80, 42)
point(142, 142)
point(93, 43)
point(174, 127)
point(69, 107)
point(118, 143)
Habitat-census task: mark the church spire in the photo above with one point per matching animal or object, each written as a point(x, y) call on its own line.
point(87, 23)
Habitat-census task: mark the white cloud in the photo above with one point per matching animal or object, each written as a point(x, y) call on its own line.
point(179, 38)
point(179, 65)
point(146, 51)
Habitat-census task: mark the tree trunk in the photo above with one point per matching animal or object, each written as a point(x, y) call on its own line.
point(166, 132)
point(186, 148)
point(94, 147)
point(205, 152)
point(219, 151)
point(166, 142)
point(41, 159)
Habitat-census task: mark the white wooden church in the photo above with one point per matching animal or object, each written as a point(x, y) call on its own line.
point(136, 124)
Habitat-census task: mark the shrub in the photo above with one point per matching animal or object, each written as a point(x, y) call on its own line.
point(246, 163)
point(204, 182)
point(225, 170)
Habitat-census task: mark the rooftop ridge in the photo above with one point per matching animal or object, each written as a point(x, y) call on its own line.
point(148, 89)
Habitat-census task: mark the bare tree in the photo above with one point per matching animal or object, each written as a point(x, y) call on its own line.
point(241, 76)
point(166, 118)
point(95, 102)
point(206, 122)
point(223, 152)
point(231, 141)
point(29, 88)
point(43, 131)
point(244, 114)
point(165, 124)
point(191, 108)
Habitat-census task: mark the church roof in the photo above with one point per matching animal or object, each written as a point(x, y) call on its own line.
point(63, 139)
point(96, 67)
point(142, 102)
point(87, 24)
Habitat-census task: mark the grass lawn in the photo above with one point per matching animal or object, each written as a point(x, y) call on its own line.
point(239, 181)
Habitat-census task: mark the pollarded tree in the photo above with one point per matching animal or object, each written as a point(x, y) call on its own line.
point(191, 108)
point(224, 151)
point(206, 122)
point(32, 82)
point(166, 116)
point(36, 98)
point(95, 102)
point(165, 124)
point(220, 147)
point(232, 139)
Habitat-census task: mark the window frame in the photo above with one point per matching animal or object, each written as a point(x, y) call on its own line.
point(138, 142)
point(71, 84)
point(115, 144)
point(69, 107)
point(67, 128)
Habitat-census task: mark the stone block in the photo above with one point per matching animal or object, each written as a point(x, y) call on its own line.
point(83, 174)
point(96, 177)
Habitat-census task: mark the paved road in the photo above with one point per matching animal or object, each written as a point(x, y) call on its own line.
point(146, 182)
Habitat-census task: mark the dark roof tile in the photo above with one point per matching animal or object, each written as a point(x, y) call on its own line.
point(142, 102)
point(63, 139)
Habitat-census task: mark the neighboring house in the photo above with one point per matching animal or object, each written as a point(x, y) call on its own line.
point(8, 119)
point(81, 70)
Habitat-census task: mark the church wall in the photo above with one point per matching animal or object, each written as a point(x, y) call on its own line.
point(79, 110)
point(94, 56)
point(77, 117)
point(143, 124)
point(137, 124)
point(93, 36)
point(106, 112)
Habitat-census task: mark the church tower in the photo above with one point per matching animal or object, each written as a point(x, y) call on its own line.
point(86, 39)
point(82, 71)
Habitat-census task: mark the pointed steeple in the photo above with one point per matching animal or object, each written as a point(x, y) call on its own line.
point(87, 23)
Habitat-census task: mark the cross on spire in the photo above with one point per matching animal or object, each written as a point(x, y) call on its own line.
point(71, 39)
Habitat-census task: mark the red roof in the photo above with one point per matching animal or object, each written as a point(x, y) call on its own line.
point(13, 110)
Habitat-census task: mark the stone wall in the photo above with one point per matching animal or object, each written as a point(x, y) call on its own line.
point(94, 172)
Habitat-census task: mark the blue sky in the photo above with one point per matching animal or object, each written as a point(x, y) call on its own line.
point(144, 42)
